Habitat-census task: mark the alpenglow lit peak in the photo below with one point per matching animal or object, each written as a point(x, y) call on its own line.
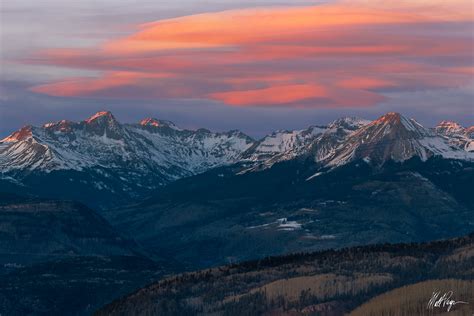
point(157, 123)
point(21, 134)
point(449, 128)
point(104, 124)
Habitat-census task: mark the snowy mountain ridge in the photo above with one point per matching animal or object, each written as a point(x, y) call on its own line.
point(395, 137)
point(102, 154)
point(101, 140)
point(457, 135)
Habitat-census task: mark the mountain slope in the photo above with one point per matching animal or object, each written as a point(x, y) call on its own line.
point(334, 136)
point(280, 146)
point(322, 283)
point(34, 230)
point(286, 145)
point(75, 285)
point(226, 217)
point(412, 299)
point(61, 258)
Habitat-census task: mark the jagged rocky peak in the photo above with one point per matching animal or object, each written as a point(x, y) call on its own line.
point(153, 122)
point(238, 134)
point(349, 123)
point(449, 128)
point(103, 123)
point(390, 137)
point(22, 134)
point(469, 132)
point(457, 135)
point(392, 118)
point(395, 124)
point(101, 116)
point(63, 126)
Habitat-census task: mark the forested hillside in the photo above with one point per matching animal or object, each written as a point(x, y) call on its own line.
point(331, 282)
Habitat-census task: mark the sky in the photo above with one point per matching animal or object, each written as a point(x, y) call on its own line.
point(256, 66)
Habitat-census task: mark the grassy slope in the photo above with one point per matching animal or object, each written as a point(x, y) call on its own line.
point(413, 299)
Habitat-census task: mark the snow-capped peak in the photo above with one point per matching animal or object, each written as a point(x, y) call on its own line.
point(105, 148)
point(102, 116)
point(64, 126)
point(22, 134)
point(348, 123)
point(337, 132)
point(279, 146)
point(397, 122)
point(393, 118)
point(390, 116)
point(449, 128)
point(150, 121)
point(103, 123)
point(393, 137)
point(457, 135)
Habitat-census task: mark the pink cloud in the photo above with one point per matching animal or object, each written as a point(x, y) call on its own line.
point(339, 54)
point(272, 95)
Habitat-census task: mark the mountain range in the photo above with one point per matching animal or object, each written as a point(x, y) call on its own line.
point(105, 208)
point(104, 163)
